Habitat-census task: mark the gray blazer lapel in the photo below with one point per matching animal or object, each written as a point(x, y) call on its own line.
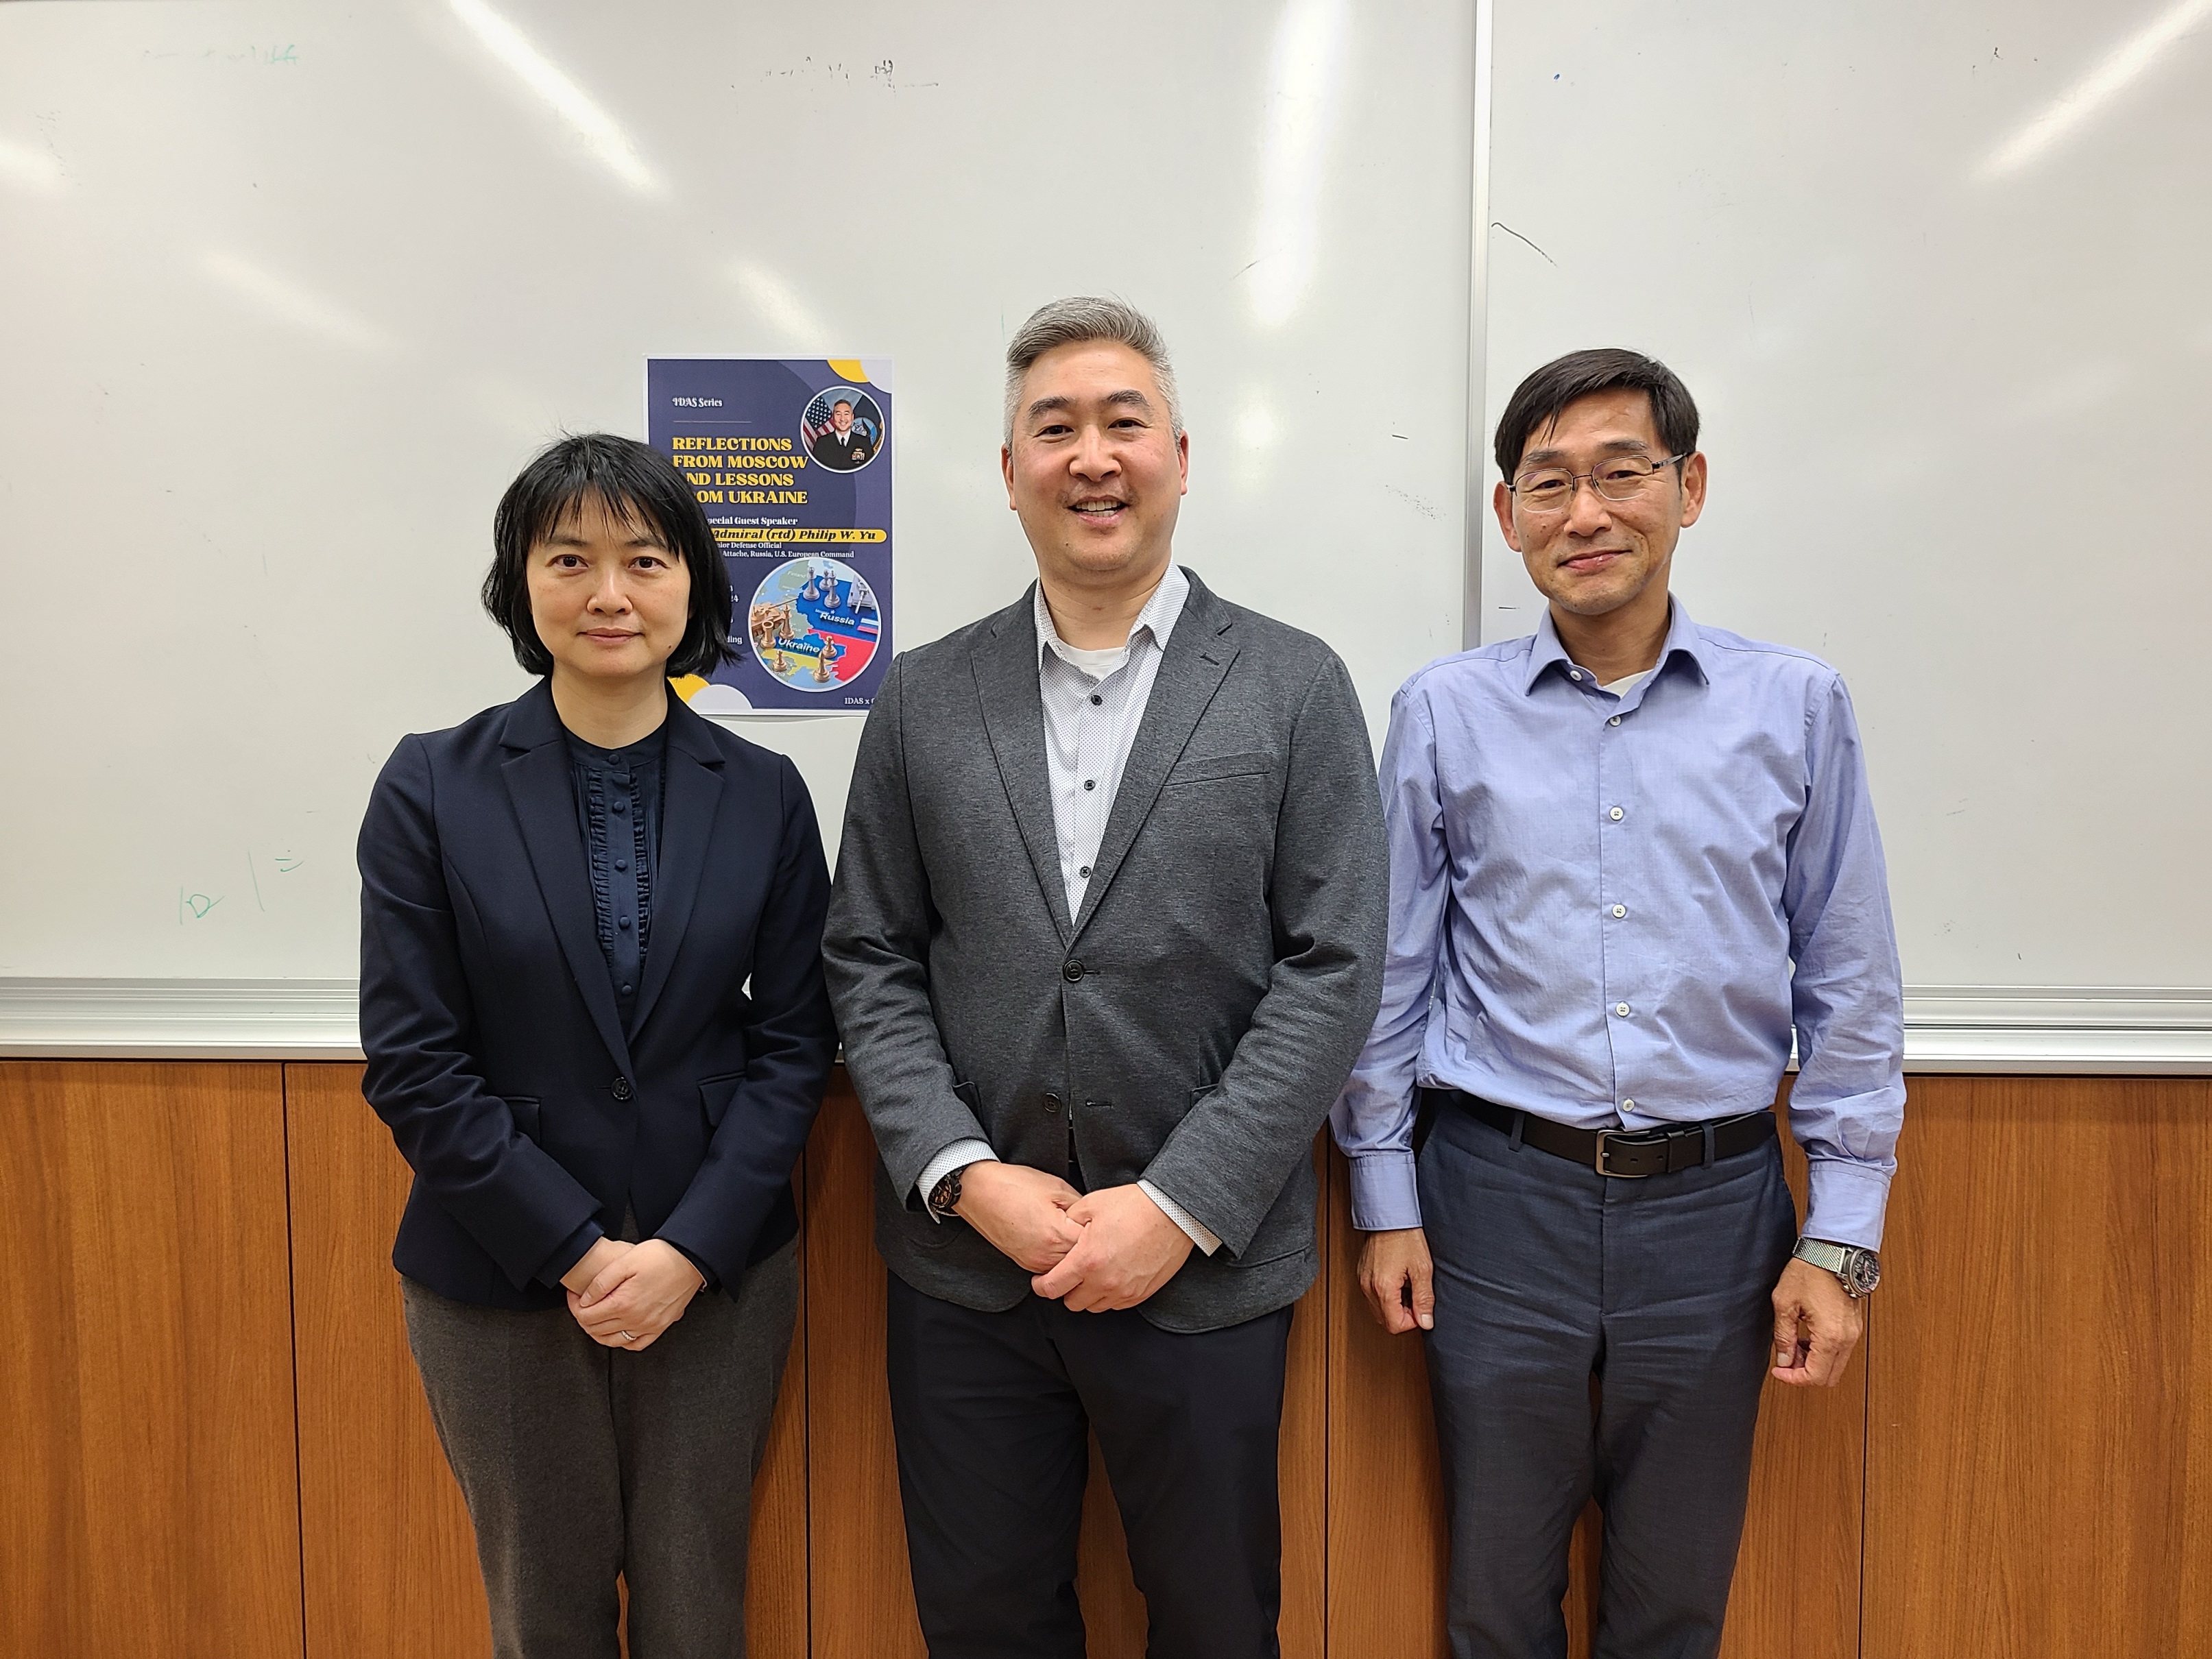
point(545, 800)
point(1005, 664)
point(1198, 657)
point(694, 793)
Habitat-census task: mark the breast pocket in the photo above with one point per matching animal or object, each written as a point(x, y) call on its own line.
point(1215, 820)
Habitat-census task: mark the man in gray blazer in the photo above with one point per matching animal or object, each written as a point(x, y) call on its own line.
point(1106, 938)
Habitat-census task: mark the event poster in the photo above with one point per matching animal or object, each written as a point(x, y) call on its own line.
point(791, 457)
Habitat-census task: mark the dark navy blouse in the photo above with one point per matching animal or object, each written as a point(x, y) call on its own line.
point(618, 802)
point(618, 794)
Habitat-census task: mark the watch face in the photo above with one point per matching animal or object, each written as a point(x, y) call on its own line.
point(1861, 1271)
point(945, 1193)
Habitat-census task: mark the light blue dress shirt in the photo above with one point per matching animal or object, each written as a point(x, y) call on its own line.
point(1596, 900)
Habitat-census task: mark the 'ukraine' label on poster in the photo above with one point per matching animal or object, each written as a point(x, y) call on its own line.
point(791, 458)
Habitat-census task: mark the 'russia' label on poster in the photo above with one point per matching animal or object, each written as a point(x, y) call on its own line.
point(791, 458)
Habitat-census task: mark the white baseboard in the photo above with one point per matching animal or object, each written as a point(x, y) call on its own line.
point(1949, 1028)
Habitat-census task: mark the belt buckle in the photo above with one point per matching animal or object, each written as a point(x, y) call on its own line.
point(1606, 1137)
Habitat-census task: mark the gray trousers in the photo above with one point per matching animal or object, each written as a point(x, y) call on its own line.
point(1547, 1275)
point(581, 1463)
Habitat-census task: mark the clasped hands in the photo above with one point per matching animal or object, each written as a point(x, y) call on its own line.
point(625, 1296)
point(1096, 1252)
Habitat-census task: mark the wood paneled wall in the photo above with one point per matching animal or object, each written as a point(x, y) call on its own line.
point(216, 1443)
point(2039, 1453)
point(152, 1497)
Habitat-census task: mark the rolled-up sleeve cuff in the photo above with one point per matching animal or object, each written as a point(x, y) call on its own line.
point(1384, 1197)
point(958, 1156)
point(1848, 1204)
point(1192, 1226)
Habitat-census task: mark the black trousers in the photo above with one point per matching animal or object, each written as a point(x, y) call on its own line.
point(1547, 1274)
point(990, 1411)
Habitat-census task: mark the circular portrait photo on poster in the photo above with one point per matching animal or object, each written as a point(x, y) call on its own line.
point(813, 623)
point(842, 429)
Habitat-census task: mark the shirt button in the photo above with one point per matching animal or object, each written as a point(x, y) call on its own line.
point(1085, 871)
point(622, 864)
point(1627, 1105)
point(1090, 783)
point(1574, 674)
point(1096, 700)
point(1618, 911)
point(1615, 720)
point(1616, 815)
point(622, 806)
point(627, 989)
point(1620, 1008)
point(1071, 972)
point(623, 922)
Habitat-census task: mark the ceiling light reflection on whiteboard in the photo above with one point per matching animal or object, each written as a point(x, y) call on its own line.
point(33, 169)
point(2094, 91)
point(599, 130)
point(289, 303)
point(1305, 80)
point(1254, 439)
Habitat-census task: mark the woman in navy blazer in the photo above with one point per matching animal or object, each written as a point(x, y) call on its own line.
point(593, 1004)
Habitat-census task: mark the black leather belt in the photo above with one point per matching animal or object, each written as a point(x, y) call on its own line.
point(1630, 1154)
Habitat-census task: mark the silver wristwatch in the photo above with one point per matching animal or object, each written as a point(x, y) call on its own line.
point(1859, 1269)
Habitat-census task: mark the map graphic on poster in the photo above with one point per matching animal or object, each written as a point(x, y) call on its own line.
point(791, 458)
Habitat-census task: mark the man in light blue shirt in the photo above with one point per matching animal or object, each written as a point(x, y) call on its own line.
point(1630, 856)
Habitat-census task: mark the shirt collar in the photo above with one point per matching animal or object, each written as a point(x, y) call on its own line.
point(1157, 617)
point(1683, 640)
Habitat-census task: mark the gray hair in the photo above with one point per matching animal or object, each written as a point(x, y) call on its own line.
point(1077, 321)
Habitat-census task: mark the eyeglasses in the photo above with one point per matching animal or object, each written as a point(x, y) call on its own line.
point(1620, 478)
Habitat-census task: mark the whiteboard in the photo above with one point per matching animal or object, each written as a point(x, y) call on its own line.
point(1935, 276)
point(288, 294)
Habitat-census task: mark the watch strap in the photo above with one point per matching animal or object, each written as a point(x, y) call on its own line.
point(1822, 1254)
point(1856, 1268)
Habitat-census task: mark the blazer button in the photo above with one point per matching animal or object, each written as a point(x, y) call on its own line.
point(1052, 1105)
point(620, 1088)
point(1071, 972)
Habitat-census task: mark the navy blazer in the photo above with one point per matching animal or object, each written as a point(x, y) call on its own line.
point(496, 1051)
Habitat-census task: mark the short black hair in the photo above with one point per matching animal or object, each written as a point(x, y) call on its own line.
point(1538, 400)
point(634, 482)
